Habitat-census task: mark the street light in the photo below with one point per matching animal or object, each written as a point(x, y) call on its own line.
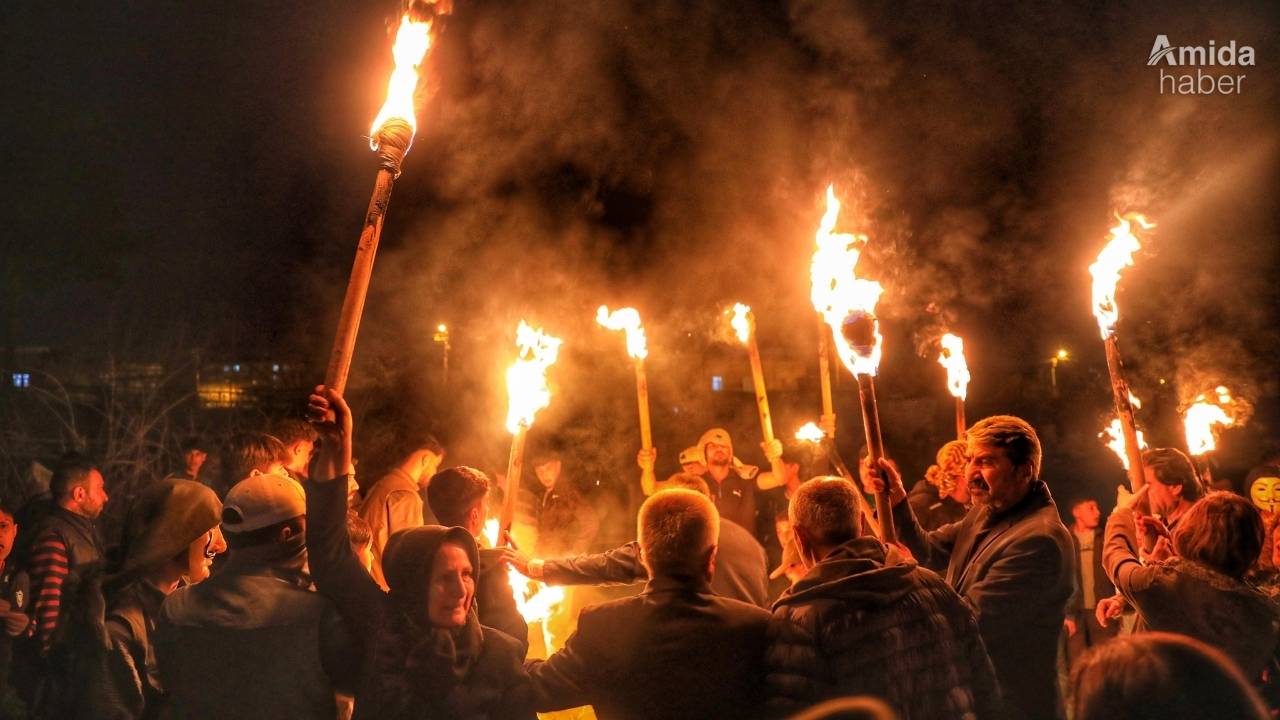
point(1061, 356)
point(442, 336)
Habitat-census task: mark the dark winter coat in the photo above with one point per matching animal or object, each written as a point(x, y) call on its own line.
point(409, 669)
point(1015, 569)
point(1183, 596)
point(674, 651)
point(859, 623)
point(253, 641)
point(741, 567)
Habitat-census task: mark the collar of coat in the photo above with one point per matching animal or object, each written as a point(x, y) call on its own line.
point(862, 570)
point(677, 584)
point(1037, 497)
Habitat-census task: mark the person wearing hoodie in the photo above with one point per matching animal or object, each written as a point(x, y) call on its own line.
point(171, 536)
point(254, 641)
point(426, 655)
point(865, 621)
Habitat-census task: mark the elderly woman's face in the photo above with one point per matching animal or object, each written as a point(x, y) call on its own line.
point(453, 585)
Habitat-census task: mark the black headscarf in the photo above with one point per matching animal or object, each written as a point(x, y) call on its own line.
point(414, 663)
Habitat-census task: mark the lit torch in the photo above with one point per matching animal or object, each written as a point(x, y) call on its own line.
point(848, 304)
point(1113, 437)
point(390, 137)
point(828, 420)
point(628, 320)
point(1117, 255)
point(744, 326)
point(952, 358)
point(527, 393)
point(1199, 420)
point(811, 433)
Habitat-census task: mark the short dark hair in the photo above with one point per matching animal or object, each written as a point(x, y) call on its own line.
point(453, 491)
point(1223, 531)
point(826, 509)
point(358, 531)
point(675, 527)
point(71, 471)
point(1172, 467)
point(245, 452)
point(194, 442)
point(1080, 501)
point(291, 430)
point(402, 449)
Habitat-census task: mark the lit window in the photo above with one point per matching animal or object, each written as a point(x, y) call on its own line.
point(237, 367)
point(275, 367)
point(22, 380)
point(717, 383)
point(226, 368)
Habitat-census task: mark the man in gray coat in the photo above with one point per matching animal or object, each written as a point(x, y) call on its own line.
point(1010, 558)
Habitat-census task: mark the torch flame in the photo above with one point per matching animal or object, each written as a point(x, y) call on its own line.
point(527, 389)
point(741, 322)
point(1113, 437)
point(1202, 415)
point(413, 40)
point(952, 358)
point(627, 319)
point(534, 600)
point(1116, 256)
point(810, 432)
point(842, 297)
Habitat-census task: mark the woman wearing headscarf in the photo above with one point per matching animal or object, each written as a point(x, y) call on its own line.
point(425, 653)
point(171, 537)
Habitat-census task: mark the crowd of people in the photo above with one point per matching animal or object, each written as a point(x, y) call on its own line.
point(278, 589)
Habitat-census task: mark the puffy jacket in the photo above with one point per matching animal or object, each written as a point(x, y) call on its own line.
point(861, 623)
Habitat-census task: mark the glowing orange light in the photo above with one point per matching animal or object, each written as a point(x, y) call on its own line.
point(839, 295)
point(952, 358)
point(1115, 256)
point(527, 389)
point(413, 40)
point(628, 320)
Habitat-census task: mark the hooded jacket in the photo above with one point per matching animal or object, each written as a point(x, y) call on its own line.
point(866, 622)
point(120, 674)
point(253, 641)
point(411, 670)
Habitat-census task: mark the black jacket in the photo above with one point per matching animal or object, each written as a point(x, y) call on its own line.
point(1016, 570)
point(741, 567)
point(861, 623)
point(674, 651)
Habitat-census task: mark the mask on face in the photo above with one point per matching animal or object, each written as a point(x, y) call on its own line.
point(1265, 493)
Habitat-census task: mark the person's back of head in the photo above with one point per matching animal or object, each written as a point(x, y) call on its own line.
point(246, 453)
point(824, 513)
point(1160, 675)
point(1172, 467)
point(457, 494)
point(1223, 531)
point(264, 510)
point(678, 531)
point(686, 481)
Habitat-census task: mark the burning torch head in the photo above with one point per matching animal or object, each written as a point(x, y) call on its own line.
point(859, 329)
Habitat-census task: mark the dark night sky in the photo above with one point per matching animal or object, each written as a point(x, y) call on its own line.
point(198, 171)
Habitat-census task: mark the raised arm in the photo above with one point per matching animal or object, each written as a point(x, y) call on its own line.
point(337, 571)
point(619, 566)
point(930, 548)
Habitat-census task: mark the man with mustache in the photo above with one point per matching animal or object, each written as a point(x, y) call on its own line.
point(1010, 558)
